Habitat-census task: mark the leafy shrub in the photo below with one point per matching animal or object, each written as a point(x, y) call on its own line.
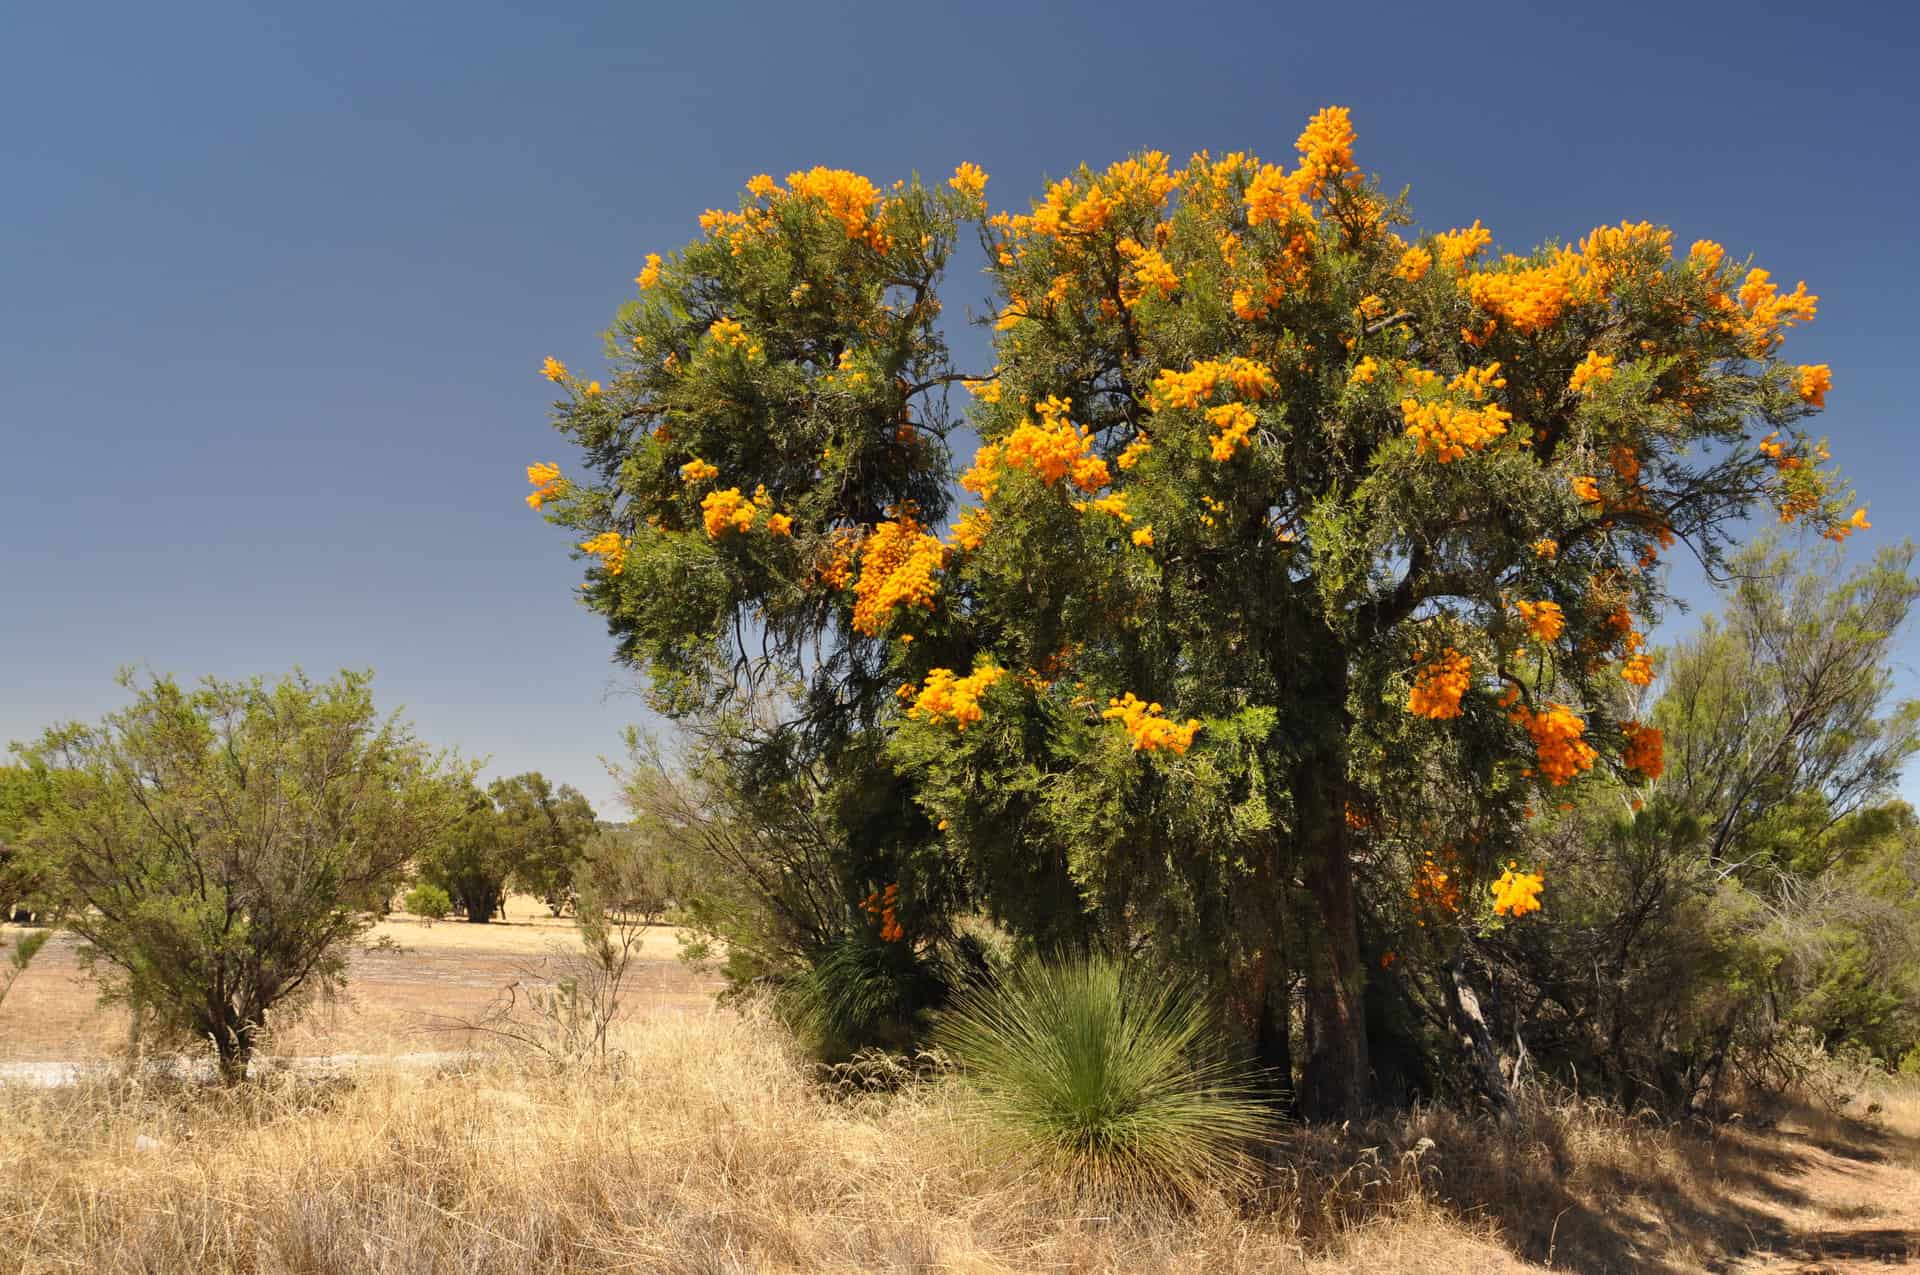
point(428, 901)
point(1119, 1080)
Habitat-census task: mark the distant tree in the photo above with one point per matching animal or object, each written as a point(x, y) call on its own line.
point(218, 848)
point(23, 792)
point(471, 859)
point(544, 830)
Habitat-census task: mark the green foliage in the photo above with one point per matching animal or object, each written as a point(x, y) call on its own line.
point(470, 858)
point(428, 901)
point(1115, 1075)
point(1770, 883)
point(219, 848)
point(544, 832)
point(23, 793)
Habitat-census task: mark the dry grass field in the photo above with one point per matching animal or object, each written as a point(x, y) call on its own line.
point(713, 1148)
point(402, 998)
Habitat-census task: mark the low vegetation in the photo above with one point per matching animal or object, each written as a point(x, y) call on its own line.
point(715, 1148)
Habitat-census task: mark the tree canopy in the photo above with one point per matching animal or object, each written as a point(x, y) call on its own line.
point(1288, 533)
point(218, 847)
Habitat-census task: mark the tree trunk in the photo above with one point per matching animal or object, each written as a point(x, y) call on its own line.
point(1475, 1041)
point(232, 1049)
point(1333, 1084)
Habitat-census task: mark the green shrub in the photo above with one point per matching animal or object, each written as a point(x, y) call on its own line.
point(1119, 1080)
point(428, 901)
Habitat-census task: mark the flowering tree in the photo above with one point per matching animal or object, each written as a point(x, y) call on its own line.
point(1288, 532)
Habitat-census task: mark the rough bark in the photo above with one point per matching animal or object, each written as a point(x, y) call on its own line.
point(1475, 1041)
point(1333, 1082)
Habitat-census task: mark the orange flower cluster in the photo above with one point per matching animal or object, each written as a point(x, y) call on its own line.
point(1053, 449)
point(1595, 370)
point(1114, 503)
point(1435, 890)
point(1150, 273)
point(847, 197)
point(610, 549)
point(1196, 385)
point(553, 369)
point(1067, 212)
point(1637, 669)
point(1646, 749)
point(1528, 299)
point(698, 471)
point(1767, 312)
point(1586, 487)
point(1148, 730)
point(649, 275)
point(1545, 620)
point(1326, 157)
point(1546, 548)
point(881, 905)
point(1811, 381)
point(971, 531)
point(779, 525)
point(843, 549)
point(1559, 739)
point(1143, 537)
point(1364, 371)
point(897, 563)
point(1131, 454)
point(1516, 893)
point(1439, 685)
point(730, 335)
point(1856, 523)
point(1235, 421)
point(546, 482)
point(1456, 247)
point(969, 180)
point(1451, 430)
point(983, 477)
point(956, 699)
point(1414, 264)
point(726, 511)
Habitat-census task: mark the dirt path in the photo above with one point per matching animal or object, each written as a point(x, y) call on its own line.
point(1848, 1204)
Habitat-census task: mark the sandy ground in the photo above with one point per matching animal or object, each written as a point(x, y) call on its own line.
point(1844, 1200)
point(409, 997)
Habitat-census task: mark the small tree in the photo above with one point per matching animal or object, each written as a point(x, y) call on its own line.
point(470, 859)
point(219, 848)
point(429, 902)
point(544, 831)
point(23, 791)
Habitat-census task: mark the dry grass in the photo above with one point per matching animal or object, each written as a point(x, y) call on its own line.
point(715, 1151)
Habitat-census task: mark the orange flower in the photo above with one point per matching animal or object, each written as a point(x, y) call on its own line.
point(1811, 381)
point(1440, 684)
point(1148, 730)
point(1645, 750)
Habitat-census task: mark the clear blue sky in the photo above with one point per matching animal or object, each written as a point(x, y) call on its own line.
point(275, 279)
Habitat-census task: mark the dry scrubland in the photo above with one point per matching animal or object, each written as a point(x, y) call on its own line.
point(715, 1150)
point(402, 998)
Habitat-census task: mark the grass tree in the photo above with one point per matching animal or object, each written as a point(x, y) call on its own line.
point(219, 847)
